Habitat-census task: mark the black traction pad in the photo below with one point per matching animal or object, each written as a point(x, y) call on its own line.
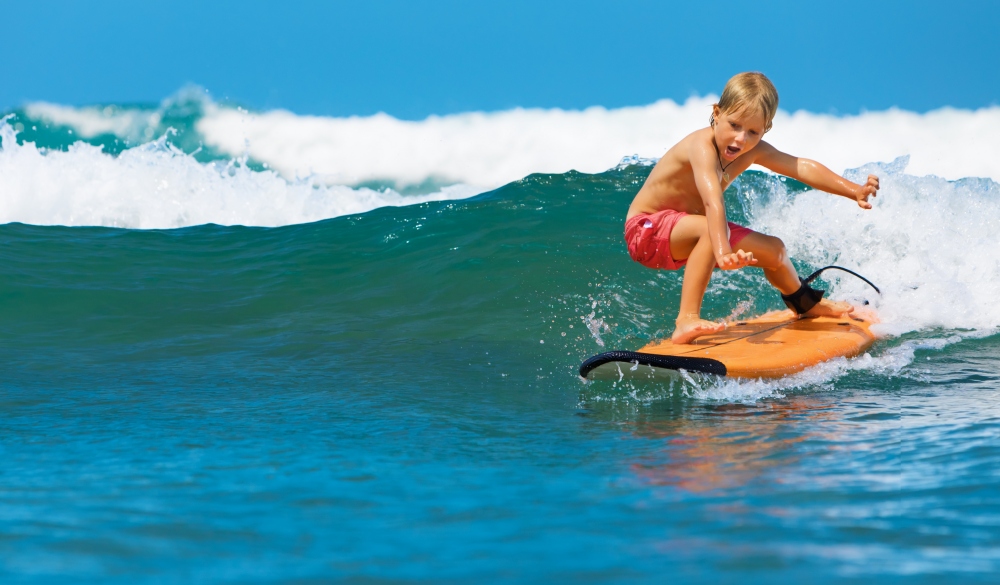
point(670, 362)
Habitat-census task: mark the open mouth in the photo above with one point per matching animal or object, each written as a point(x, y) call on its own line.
point(732, 151)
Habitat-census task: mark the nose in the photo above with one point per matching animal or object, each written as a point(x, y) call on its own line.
point(741, 137)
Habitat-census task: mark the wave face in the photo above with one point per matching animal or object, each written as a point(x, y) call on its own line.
point(190, 160)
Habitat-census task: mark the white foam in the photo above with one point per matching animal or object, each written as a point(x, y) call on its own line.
point(91, 121)
point(157, 186)
point(947, 142)
point(479, 151)
point(491, 149)
point(132, 124)
point(929, 244)
point(476, 148)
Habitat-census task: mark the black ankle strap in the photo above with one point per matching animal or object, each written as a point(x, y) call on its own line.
point(803, 299)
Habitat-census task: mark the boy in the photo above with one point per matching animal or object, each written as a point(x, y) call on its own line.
point(678, 216)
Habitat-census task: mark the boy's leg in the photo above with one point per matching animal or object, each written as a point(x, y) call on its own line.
point(689, 239)
point(778, 269)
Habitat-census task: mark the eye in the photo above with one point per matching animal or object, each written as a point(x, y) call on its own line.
point(753, 132)
point(734, 125)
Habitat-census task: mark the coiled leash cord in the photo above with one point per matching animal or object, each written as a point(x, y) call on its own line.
point(814, 275)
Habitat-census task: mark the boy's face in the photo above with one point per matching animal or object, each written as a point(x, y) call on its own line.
point(737, 132)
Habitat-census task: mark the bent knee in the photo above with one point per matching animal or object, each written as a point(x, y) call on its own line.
point(774, 252)
point(780, 250)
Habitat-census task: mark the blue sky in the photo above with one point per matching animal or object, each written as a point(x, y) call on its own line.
point(412, 59)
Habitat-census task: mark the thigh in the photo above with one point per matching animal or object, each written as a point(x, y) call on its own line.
point(685, 235)
point(768, 250)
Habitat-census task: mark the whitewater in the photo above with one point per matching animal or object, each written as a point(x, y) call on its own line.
point(472, 152)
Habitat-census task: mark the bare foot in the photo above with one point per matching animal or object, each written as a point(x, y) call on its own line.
point(690, 329)
point(828, 308)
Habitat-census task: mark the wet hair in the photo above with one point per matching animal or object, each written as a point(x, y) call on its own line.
point(751, 92)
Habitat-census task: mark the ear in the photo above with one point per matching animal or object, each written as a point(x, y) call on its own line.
point(716, 112)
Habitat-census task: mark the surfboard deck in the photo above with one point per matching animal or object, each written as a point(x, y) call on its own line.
point(770, 346)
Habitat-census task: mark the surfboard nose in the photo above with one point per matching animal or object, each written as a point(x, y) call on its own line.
point(670, 362)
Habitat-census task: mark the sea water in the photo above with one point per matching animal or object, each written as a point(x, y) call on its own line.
point(261, 347)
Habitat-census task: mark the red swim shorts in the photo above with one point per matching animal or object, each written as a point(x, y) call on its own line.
point(648, 238)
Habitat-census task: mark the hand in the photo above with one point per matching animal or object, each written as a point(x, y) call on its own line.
point(737, 259)
point(863, 192)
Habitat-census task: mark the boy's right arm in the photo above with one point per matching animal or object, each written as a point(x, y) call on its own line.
point(706, 178)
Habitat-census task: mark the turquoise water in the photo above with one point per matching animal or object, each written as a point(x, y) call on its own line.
point(392, 396)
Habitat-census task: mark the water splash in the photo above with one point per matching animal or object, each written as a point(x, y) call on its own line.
point(156, 185)
point(928, 243)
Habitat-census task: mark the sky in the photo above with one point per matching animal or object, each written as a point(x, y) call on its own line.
point(415, 58)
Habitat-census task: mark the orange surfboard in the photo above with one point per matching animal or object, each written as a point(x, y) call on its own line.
point(769, 346)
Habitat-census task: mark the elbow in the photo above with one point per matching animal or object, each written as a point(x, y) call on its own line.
point(806, 166)
point(715, 210)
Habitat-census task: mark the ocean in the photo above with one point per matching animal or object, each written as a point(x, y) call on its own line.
point(262, 347)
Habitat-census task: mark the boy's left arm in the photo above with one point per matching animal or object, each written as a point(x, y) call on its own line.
point(815, 175)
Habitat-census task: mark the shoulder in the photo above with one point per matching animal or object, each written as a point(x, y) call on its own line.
point(686, 149)
point(700, 143)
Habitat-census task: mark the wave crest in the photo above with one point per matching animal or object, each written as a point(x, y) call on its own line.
point(156, 185)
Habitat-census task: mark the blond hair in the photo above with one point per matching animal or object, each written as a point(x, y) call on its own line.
point(751, 92)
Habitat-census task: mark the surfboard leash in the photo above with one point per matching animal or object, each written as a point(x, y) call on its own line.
point(814, 275)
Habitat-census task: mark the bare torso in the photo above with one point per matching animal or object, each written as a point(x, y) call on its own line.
point(671, 184)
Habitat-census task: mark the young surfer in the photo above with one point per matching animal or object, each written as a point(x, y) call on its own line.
point(678, 217)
